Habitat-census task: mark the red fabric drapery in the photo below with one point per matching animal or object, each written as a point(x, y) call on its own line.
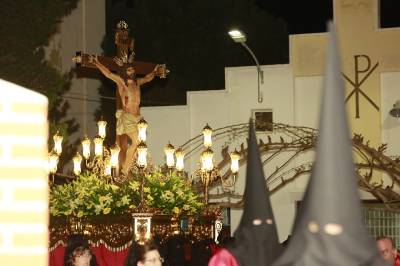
point(104, 256)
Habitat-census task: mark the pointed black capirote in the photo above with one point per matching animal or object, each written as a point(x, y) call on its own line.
point(256, 240)
point(330, 228)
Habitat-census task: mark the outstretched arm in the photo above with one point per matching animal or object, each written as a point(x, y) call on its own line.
point(149, 77)
point(103, 69)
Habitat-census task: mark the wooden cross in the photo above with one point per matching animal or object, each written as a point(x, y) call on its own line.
point(125, 54)
point(123, 59)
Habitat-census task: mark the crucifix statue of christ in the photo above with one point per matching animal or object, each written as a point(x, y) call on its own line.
point(123, 70)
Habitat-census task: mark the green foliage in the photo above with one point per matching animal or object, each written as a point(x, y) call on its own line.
point(172, 194)
point(25, 29)
point(90, 195)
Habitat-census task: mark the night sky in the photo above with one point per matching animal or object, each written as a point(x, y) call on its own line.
point(311, 16)
point(300, 16)
point(206, 71)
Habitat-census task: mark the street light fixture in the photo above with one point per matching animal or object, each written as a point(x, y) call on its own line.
point(395, 111)
point(239, 37)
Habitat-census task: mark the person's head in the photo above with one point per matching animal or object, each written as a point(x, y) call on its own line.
point(387, 249)
point(77, 252)
point(144, 255)
point(81, 256)
point(130, 71)
point(127, 72)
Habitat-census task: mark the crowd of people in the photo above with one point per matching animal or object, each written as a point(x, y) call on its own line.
point(177, 251)
point(150, 253)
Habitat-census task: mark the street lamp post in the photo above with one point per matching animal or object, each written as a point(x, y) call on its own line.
point(240, 37)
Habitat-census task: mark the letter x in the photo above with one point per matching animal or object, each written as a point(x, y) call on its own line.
point(357, 84)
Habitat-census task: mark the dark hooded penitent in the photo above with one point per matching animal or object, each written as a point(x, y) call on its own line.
point(256, 240)
point(330, 228)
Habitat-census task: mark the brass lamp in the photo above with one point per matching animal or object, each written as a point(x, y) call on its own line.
point(115, 149)
point(53, 161)
point(169, 155)
point(107, 166)
point(141, 164)
point(207, 167)
point(58, 138)
point(86, 147)
point(77, 159)
point(98, 146)
point(235, 156)
point(102, 128)
point(180, 155)
point(207, 133)
point(142, 127)
point(206, 159)
point(142, 155)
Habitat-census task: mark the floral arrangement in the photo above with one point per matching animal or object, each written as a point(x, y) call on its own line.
point(90, 195)
point(171, 193)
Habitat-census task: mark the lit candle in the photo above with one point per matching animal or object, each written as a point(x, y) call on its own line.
point(142, 128)
point(114, 155)
point(142, 155)
point(77, 159)
point(98, 145)
point(86, 147)
point(180, 155)
point(207, 134)
point(169, 155)
point(235, 156)
point(58, 138)
point(207, 160)
point(53, 161)
point(102, 128)
point(107, 166)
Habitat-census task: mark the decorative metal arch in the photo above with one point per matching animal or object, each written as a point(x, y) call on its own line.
point(295, 141)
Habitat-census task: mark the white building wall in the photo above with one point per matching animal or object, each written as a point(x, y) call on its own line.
point(82, 30)
point(204, 107)
point(277, 91)
point(294, 101)
point(221, 108)
point(166, 124)
point(390, 93)
point(307, 94)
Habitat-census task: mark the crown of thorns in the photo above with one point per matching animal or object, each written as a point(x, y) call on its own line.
point(122, 25)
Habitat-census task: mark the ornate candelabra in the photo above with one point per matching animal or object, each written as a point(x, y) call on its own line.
point(104, 162)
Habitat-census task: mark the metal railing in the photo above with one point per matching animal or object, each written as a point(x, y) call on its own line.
point(383, 222)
